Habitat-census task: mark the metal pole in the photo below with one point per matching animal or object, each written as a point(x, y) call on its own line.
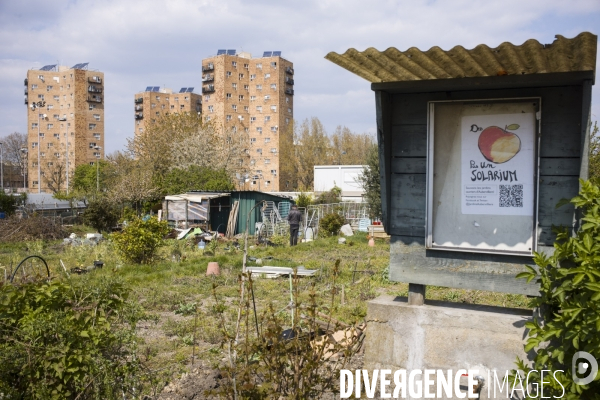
point(97, 179)
point(38, 158)
point(67, 151)
point(2, 164)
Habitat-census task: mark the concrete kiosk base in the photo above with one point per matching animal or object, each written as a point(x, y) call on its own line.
point(446, 336)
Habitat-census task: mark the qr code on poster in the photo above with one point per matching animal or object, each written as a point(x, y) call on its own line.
point(511, 195)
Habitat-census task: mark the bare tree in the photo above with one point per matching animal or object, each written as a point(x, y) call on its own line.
point(12, 153)
point(54, 176)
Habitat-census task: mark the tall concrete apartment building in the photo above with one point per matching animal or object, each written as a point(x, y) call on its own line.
point(65, 123)
point(154, 102)
point(256, 96)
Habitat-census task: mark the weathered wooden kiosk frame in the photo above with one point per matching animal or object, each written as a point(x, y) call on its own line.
point(560, 75)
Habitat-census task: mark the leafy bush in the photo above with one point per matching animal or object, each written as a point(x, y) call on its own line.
point(61, 341)
point(331, 197)
point(101, 214)
point(139, 240)
point(9, 202)
point(304, 200)
point(331, 223)
point(569, 301)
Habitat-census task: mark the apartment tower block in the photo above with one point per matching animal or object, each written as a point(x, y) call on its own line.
point(154, 102)
point(65, 123)
point(255, 96)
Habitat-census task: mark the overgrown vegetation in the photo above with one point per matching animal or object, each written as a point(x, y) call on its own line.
point(68, 339)
point(140, 239)
point(569, 302)
point(101, 214)
point(289, 355)
point(9, 203)
point(330, 197)
point(370, 181)
point(331, 223)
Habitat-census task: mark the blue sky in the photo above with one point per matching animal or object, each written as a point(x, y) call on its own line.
point(162, 42)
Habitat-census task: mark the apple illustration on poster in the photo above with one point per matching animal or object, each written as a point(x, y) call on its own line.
point(499, 145)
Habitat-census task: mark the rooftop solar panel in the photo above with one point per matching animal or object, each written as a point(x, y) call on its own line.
point(231, 52)
point(182, 90)
point(156, 88)
point(220, 52)
point(48, 67)
point(148, 88)
point(190, 89)
point(276, 54)
point(79, 66)
point(267, 54)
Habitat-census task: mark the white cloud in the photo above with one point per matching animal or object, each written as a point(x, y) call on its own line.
point(160, 42)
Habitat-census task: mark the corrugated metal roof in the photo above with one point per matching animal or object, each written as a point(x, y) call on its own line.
point(532, 57)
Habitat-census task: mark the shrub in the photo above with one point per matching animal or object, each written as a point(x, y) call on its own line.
point(61, 341)
point(139, 240)
point(304, 200)
point(569, 301)
point(101, 214)
point(331, 223)
point(331, 197)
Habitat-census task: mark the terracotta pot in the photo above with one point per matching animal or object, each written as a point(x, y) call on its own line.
point(213, 269)
point(372, 242)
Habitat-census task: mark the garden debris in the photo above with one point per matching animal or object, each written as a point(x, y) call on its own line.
point(346, 338)
point(276, 272)
point(74, 240)
point(188, 233)
point(342, 241)
point(346, 230)
point(35, 227)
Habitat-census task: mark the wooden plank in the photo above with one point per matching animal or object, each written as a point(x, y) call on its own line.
point(411, 109)
point(488, 82)
point(561, 139)
point(409, 165)
point(410, 262)
point(409, 141)
point(384, 142)
point(559, 166)
point(585, 125)
point(552, 190)
point(408, 204)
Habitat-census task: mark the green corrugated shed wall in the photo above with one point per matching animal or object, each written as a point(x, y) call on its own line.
point(220, 208)
point(248, 200)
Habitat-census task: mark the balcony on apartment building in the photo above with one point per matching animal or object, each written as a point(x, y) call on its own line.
point(208, 89)
point(94, 89)
point(139, 108)
point(208, 78)
point(289, 91)
point(26, 100)
point(139, 100)
point(289, 70)
point(25, 82)
point(289, 80)
point(94, 98)
point(95, 79)
point(139, 115)
point(209, 67)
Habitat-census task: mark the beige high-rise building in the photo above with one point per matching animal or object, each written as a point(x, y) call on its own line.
point(65, 123)
point(255, 95)
point(154, 102)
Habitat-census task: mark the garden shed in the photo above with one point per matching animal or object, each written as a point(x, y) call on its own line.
point(211, 209)
point(476, 149)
